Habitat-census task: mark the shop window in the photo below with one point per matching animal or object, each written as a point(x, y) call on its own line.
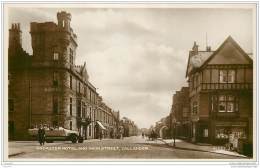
point(55, 124)
point(222, 133)
point(205, 133)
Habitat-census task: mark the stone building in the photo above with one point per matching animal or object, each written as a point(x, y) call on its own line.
point(129, 127)
point(180, 113)
point(47, 87)
point(221, 93)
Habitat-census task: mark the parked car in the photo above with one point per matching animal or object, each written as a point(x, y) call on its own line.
point(58, 134)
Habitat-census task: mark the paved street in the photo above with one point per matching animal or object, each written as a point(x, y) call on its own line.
point(128, 148)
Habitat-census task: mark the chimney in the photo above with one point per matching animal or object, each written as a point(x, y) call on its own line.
point(195, 48)
point(15, 37)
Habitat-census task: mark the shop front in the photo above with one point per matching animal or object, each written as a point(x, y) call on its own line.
point(100, 130)
point(230, 133)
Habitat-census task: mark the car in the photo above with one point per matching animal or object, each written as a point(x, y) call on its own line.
point(58, 134)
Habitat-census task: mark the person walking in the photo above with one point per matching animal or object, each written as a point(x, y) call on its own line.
point(41, 135)
point(100, 135)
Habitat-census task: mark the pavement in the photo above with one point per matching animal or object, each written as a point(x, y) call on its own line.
point(127, 148)
point(181, 144)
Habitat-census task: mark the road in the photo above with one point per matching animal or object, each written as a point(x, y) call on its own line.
point(127, 148)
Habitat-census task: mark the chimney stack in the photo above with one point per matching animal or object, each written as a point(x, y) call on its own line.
point(195, 48)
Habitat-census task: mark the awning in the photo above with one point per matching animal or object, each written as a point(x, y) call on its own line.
point(101, 125)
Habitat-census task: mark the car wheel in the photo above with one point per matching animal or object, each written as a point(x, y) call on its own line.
point(73, 138)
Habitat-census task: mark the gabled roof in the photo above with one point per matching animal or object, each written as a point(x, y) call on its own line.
point(203, 57)
point(232, 41)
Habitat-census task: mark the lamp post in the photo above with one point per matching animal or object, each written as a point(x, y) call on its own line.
point(174, 131)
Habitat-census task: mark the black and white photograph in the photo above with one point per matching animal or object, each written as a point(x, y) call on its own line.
point(130, 82)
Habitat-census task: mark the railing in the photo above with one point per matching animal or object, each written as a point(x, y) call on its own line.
point(226, 114)
point(226, 86)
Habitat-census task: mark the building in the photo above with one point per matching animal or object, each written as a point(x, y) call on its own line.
point(48, 88)
point(129, 127)
point(220, 93)
point(180, 113)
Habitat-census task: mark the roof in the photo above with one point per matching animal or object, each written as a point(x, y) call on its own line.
point(235, 44)
point(203, 57)
point(197, 60)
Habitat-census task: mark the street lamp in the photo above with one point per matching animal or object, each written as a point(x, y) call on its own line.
point(174, 131)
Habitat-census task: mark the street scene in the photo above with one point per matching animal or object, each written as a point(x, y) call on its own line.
point(134, 147)
point(125, 86)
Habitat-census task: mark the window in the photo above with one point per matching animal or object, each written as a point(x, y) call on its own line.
point(70, 82)
point(79, 86)
point(227, 76)
point(94, 115)
point(71, 56)
point(55, 124)
point(78, 108)
point(227, 103)
point(193, 82)
point(195, 107)
point(231, 76)
point(70, 106)
point(10, 105)
point(55, 56)
point(222, 133)
point(205, 132)
point(70, 125)
point(89, 130)
point(55, 78)
point(222, 103)
point(55, 105)
point(85, 91)
point(83, 110)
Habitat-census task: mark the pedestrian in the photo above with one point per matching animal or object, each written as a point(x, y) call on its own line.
point(41, 135)
point(142, 134)
point(100, 135)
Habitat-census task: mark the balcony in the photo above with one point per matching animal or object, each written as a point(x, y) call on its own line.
point(226, 86)
point(223, 115)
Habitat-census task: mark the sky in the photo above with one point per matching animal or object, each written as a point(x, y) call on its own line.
point(137, 57)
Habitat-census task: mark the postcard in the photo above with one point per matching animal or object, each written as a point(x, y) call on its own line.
point(132, 82)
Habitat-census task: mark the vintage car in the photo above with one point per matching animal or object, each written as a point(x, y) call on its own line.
point(58, 134)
